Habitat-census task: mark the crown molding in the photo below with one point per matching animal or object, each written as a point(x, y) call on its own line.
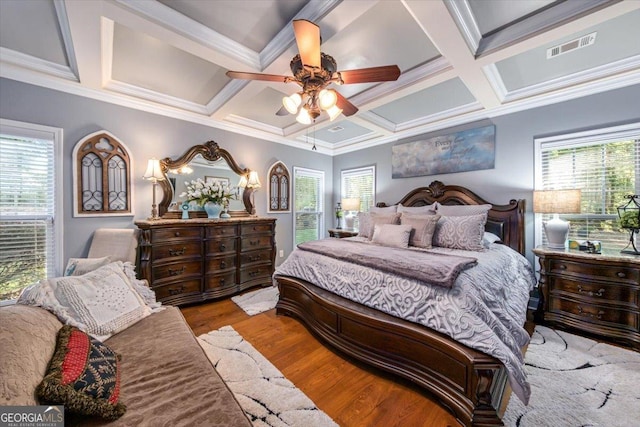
point(464, 19)
point(34, 64)
point(65, 30)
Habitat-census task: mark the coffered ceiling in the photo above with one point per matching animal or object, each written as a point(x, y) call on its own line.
point(461, 60)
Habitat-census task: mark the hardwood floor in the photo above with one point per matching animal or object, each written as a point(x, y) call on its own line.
point(350, 393)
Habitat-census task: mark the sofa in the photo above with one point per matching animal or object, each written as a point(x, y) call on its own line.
point(165, 377)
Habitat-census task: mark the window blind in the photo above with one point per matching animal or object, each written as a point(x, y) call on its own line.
point(360, 183)
point(27, 212)
point(605, 168)
point(308, 205)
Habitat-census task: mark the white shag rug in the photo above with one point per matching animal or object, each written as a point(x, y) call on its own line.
point(266, 396)
point(255, 302)
point(577, 382)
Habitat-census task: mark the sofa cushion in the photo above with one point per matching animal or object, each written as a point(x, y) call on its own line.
point(27, 342)
point(83, 376)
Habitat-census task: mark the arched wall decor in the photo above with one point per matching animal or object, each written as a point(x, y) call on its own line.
point(101, 176)
point(279, 188)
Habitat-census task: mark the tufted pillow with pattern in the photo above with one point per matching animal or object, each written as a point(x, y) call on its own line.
point(460, 232)
point(423, 226)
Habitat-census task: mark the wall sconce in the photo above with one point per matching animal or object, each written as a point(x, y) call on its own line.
point(154, 174)
point(556, 202)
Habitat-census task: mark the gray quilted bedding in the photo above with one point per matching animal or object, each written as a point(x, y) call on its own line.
point(485, 309)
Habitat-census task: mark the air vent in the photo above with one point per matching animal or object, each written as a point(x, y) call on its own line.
point(579, 43)
point(336, 129)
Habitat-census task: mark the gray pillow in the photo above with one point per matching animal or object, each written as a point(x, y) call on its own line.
point(460, 232)
point(423, 226)
point(427, 209)
point(368, 221)
point(462, 210)
point(384, 210)
point(392, 235)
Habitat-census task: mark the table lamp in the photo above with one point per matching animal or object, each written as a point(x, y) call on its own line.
point(154, 174)
point(556, 202)
point(350, 205)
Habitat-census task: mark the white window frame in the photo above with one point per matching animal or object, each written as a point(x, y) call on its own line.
point(356, 171)
point(36, 131)
point(321, 208)
point(596, 136)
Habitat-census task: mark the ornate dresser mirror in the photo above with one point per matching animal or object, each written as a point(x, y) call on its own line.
point(206, 161)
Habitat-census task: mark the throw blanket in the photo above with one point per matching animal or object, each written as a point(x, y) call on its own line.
point(432, 268)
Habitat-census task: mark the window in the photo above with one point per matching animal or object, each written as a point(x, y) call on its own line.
point(605, 165)
point(359, 183)
point(308, 192)
point(102, 176)
point(30, 234)
point(278, 188)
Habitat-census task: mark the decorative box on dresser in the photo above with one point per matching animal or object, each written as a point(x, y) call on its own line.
point(194, 260)
point(594, 293)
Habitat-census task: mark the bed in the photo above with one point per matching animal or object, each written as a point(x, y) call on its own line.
point(468, 382)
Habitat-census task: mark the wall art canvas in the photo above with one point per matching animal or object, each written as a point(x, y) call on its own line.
point(463, 151)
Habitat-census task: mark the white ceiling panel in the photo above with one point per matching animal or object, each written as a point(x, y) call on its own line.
point(461, 60)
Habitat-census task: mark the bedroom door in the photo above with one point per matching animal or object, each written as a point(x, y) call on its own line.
point(308, 193)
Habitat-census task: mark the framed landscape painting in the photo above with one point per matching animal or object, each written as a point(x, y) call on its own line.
point(467, 150)
point(222, 180)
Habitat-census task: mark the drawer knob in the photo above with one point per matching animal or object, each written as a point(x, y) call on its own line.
point(563, 267)
point(177, 234)
point(221, 282)
point(223, 264)
point(223, 246)
point(254, 242)
point(621, 274)
point(599, 293)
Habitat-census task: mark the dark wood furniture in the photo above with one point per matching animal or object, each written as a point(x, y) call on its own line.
point(194, 260)
point(341, 233)
point(467, 382)
point(590, 293)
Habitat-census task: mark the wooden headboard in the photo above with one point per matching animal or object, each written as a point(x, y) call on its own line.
point(505, 221)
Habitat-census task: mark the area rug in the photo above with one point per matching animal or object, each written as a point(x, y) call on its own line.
point(266, 396)
point(255, 302)
point(576, 382)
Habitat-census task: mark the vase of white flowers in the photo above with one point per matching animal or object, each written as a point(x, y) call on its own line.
point(211, 195)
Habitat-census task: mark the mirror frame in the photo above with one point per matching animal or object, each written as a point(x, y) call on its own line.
point(211, 152)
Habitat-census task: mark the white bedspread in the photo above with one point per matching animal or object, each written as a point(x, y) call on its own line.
point(485, 309)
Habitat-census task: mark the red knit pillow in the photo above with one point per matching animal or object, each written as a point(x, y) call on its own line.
point(83, 375)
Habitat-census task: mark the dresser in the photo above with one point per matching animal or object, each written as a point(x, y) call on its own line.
point(593, 293)
point(194, 260)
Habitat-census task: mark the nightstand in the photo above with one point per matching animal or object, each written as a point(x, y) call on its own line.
point(342, 232)
point(593, 293)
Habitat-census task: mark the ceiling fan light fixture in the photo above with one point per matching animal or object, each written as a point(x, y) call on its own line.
point(334, 112)
point(327, 99)
point(291, 103)
point(304, 117)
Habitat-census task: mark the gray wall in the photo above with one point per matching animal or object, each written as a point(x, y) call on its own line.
point(146, 135)
point(513, 175)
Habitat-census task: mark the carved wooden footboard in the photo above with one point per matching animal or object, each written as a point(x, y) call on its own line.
point(467, 382)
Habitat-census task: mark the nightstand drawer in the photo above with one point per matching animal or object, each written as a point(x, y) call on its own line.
point(222, 231)
point(221, 246)
point(246, 229)
point(167, 234)
point(594, 293)
point(255, 242)
point(165, 253)
point(220, 281)
point(176, 271)
point(615, 273)
point(177, 289)
point(595, 313)
point(221, 263)
point(253, 273)
point(256, 256)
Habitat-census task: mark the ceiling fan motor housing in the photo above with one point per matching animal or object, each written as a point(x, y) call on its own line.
point(318, 77)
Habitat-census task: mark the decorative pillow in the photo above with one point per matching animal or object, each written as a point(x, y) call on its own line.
point(490, 237)
point(427, 209)
point(460, 232)
point(462, 210)
point(80, 266)
point(369, 221)
point(423, 226)
point(83, 375)
point(384, 210)
point(100, 303)
point(392, 235)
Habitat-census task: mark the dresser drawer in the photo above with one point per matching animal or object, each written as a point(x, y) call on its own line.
point(176, 270)
point(246, 229)
point(166, 234)
point(220, 246)
point(177, 250)
point(263, 271)
point(222, 231)
point(594, 292)
point(610, 272)
point(255, 256)
point(177, 288)
point(250, 243)
point(221, 263)
point(597, 314)
point(220, 280)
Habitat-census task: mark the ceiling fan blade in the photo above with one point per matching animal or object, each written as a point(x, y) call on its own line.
point(385, 73)
point(308, 39)
point(257, 76)
point(348, 109)
point(282, 112)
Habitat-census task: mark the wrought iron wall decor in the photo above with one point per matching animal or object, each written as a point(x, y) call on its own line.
point(102, 176)
point(279, 185)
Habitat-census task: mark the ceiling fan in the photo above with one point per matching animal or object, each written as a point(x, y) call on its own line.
point(313, 71)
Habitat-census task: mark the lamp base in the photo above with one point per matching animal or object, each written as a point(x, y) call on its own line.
point(557, 231)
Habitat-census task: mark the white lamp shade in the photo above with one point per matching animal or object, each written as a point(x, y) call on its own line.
point(154, 171)
point(334, 112)
point(350, 204)
point(254, 180)
point(291, 103)
point(304, 117)
point(327, 99)
point(243, 182)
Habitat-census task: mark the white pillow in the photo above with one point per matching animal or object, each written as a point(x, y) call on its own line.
point(462, 210)
point(427, 209)
point(490, 237)
point(80, 266)
point(384, 210)
point(392, 235)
